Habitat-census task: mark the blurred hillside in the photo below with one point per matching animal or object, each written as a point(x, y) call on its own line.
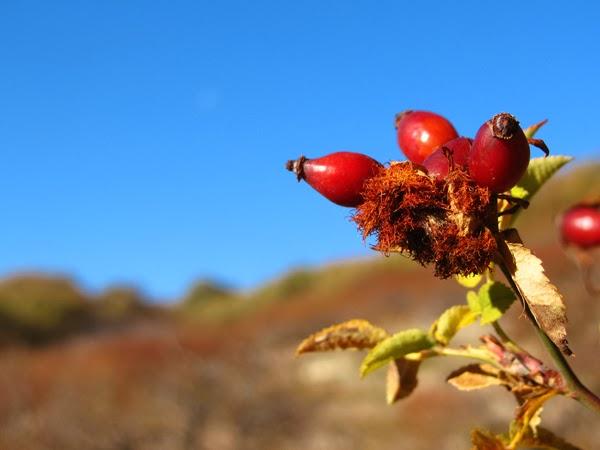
point(216, 368)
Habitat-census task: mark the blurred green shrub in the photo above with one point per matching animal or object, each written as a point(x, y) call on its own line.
point(293, 283)
point(35, 308)
point(205, 291)
point(119, 303)
point(208, 300)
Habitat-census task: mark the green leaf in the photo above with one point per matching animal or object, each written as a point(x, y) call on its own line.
point(473, 302)
point(519, 192)
point(452, 320)
point(469, 281)
point(494, 299)
point(396, 346)
point(538, 172)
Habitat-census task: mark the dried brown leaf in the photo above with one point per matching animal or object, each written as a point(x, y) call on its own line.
point(547, 440)
point(543, 298)
point(486, 440)
point(527, 418)
point(474, 376)
point(401, 379)
point(355, 334)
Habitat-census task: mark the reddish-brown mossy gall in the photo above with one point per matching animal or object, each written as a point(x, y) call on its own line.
point(339, 176)
point(448, 223)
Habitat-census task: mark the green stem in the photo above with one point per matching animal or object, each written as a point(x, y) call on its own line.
point(473, 353)
point(512, 345)
point(577, 389)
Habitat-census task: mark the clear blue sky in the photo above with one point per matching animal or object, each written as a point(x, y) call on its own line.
point(144, 142)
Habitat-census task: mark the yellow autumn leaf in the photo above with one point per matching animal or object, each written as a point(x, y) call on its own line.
point(469, 281)
point(474, 376)
point(451, 321)
point(527, 418)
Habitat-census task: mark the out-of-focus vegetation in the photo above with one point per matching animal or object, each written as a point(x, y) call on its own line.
point(119, 303)
point(216, 368)
point(39, 308)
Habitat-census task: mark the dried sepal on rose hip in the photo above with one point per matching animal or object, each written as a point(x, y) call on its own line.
point(339, 176)
point(419, 133)
point(448, 224)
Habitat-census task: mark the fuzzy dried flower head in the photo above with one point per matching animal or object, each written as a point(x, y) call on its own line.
point(446, 223)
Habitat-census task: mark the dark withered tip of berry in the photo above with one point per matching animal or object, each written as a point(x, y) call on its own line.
point(297, 166)
point(398, 117)
point(504, 125)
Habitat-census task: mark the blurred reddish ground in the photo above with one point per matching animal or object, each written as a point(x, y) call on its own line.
point(166, 381)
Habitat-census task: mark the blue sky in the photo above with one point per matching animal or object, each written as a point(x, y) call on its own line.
point(144, 142)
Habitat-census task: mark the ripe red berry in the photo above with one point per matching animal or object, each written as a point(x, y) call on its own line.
point(338, 176)
point(457, 150)
point(580, 226)
point(500, 153)
point(419, 133)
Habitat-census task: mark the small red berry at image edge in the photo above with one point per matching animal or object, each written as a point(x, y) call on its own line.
point(339, 176)
point(419, 133)
point(453, 153)
point(500, 153)
point(580, 226)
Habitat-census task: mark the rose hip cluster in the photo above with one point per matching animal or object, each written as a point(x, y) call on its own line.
point(440, 205)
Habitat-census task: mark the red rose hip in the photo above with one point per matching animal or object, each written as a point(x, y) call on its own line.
point(338, 176)
point(500, 153)
point(419, 133)
point(457, 150)
point(580, 226)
